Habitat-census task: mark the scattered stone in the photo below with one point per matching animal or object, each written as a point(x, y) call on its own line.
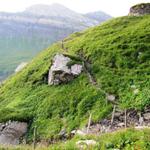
point(20, 67)
point(140, 9)
point(60, 72)
point(87, 143)
point(121, 124)
point(73, 132)
point(118, 114)
point(111, 98)
point(63, 134)
point(141, 120)
point(80, 132)
point(2, 126)
point(105, 129)
point(136, 91)
point(138, 120)
point(146, 116)
point(11, 132)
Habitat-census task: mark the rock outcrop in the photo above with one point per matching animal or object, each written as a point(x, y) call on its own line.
point(133, 119)
point(140, 9)
point(61, 72)
point(11, 132)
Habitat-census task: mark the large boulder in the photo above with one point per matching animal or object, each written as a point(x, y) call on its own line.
point(11, 132)
point(140, 9)
point(61, 72)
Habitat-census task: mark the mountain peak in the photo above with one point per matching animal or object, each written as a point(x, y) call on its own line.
point(54, 9)
point(57, 5)
point(45, 6)
point(58, 12)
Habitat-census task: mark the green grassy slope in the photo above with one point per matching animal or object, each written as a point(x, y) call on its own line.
point(119, 52)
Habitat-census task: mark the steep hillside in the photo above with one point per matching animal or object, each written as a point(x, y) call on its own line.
point(24, 34)
point(116, 56)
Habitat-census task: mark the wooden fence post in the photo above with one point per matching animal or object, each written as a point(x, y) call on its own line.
point(34, 137)
point(125, 118)
point(89, 123)
point(113, 115)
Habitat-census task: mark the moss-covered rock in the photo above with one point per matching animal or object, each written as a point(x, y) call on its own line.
point(140, 9)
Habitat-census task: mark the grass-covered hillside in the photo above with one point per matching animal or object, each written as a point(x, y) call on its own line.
point(119, 55)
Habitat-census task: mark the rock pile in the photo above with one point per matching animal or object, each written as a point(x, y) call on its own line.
point(133, 119)
point(140, 9)
point(11, 132)
point(61, 72)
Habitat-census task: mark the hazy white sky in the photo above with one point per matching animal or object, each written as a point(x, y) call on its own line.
point(112, 7)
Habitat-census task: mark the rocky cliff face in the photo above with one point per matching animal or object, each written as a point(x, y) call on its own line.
point(140, 9)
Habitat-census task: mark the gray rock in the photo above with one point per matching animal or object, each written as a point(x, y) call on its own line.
point(140, 9)
point(62, 133)
point(60, 72)
point(121, 124)
point(12, 132)
point(146, 116)
point(111, 98)
point(141, 120)
point(73, 132)
point(81, 132)
point(87, 143)
point(76, 69)
point(2, 126)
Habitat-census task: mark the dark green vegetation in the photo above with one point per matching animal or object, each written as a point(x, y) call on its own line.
point(119, 54)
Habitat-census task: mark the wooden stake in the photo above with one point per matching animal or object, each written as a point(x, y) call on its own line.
point(141, 120)
point(89, 123)
point(125, 118)
point(113, 115)
point(34, 137)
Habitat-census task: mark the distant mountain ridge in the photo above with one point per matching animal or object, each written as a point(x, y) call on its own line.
point(24, 34)
point(98, 16)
